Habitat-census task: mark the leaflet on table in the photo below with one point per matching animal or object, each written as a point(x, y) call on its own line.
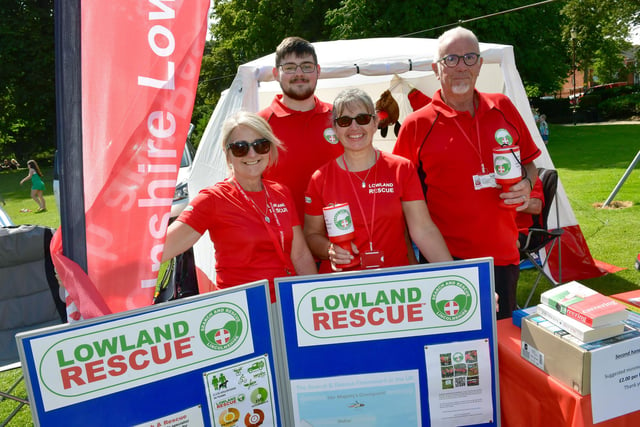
point(241, 393)
point(615, 380)
point(383, 399)
point(460, 377)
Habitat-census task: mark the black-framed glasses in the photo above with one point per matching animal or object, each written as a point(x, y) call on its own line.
point(361, 119)
point(241, 148)
point(452, 60)
point(292, 67)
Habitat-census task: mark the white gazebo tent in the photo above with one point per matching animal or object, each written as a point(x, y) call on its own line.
point(375, 65)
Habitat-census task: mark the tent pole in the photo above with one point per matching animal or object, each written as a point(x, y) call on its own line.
point(69, 128)
point(622, 180)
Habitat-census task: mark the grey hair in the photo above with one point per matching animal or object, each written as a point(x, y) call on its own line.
point(454, 33)
point(349, 98)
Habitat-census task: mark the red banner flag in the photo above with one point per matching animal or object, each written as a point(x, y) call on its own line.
point(140, 67)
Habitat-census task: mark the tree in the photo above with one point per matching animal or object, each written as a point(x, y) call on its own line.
point(27, 75)
point(535, 40)
point(601, 29)
point(248, 29)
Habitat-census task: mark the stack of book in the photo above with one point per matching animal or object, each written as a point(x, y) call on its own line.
point(582, 312)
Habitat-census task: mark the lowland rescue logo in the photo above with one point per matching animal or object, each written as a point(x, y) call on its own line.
point(362, 312)
point(116, 356)
point(502, 165)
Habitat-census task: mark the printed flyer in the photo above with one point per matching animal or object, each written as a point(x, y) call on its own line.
point(459, 375)
point(241, 394)
point(379, 399)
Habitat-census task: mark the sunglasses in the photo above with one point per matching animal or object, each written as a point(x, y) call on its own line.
point(361, 119)
point(241, 148)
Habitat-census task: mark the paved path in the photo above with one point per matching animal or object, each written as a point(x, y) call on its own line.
point(623, 122)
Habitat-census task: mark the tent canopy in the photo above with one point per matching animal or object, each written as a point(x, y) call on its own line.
point(374, 65)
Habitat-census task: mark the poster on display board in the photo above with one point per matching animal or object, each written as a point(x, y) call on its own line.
point(409, 345)
point(201, 361)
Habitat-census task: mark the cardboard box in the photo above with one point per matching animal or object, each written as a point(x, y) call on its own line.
point(561, 358)
point(562, 355)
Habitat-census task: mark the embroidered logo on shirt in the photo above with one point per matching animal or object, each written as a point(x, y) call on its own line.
point(503, 137)
point(330, 135)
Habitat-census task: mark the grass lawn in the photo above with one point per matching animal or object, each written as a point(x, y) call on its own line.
point(590, 162)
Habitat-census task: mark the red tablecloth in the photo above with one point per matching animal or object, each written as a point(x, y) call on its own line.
point(529, 397)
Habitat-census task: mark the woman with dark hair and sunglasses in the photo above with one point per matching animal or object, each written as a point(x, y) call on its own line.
point(252, 222)
point(383, 192)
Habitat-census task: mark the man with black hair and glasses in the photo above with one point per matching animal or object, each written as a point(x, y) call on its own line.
point(299, 119)
point(451, 141)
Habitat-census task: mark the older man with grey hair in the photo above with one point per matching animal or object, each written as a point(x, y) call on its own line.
point(451, 141)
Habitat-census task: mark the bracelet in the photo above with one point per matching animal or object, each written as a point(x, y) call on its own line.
point(528, 179)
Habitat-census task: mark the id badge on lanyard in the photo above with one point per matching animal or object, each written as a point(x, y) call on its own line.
point(481, 182)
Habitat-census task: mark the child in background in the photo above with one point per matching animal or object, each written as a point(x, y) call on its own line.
point(37, 185)
point(544, 128)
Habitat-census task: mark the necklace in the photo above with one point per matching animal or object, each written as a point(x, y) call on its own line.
point(265, 214)
point(266, 207)
point(362, 180)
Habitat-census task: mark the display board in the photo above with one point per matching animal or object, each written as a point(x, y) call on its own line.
point(201, 361)
point(410, 346)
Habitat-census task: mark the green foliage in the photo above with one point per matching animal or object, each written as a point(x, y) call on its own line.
point(532, 91)
point(609, 65)
point(27, 92)
point(601, 28)
point(244, 30)
point(535, 41)
point(621, 107)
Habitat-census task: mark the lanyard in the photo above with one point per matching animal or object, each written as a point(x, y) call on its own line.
point(262, 215)
point(373, 207)
point(477, 148)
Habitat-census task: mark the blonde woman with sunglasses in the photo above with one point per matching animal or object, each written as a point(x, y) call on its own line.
point(252, 222)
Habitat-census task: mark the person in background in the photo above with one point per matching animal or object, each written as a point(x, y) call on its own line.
point(383, 191)
point(299, 119)
point(15, 164)
point(251, 221)
point(450, 140)
point(37, 185)
point(544, 128)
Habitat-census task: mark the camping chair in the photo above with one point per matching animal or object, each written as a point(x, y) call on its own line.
point(29, 296)
point(540, 236)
